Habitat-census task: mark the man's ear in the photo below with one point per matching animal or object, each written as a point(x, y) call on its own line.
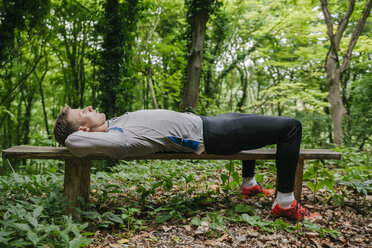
point(84, 129)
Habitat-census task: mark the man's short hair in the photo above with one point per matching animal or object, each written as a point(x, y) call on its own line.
point(63, 126)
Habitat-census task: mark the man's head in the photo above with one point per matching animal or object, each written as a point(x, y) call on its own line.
point(71, 120)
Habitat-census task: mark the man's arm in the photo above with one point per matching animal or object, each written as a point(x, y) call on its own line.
point(115, 145)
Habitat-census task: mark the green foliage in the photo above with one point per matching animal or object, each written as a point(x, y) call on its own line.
point(173, 192)
point(21, 15)
point(231, 174)
point(356, 171)
point(353, 172)
point(291, 94)
point(31, 213)
point(321, 175)
point(260, 57)
point(323, 231)
point(359, 128)
point(216, 220)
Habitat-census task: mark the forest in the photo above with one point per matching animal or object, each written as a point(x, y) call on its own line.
point(311, 60)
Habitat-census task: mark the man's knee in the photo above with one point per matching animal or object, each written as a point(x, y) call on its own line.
point(292, 124)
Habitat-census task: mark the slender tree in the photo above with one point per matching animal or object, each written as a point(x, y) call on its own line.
point(116, 57)
point(198, 13)
point(111, 56)
point(335, 67)
point(215, 44)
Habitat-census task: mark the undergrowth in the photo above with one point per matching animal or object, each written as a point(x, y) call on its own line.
point(132, 196)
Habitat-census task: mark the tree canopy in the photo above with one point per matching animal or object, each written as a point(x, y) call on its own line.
point(254, 57)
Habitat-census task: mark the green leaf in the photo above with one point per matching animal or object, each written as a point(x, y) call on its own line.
point(115, 218)
point(79, 242)
point(33, 237)
point(195, 221)
point(339, 200)
point(157, 184)
point(224, 178)
point(165, 216)
point(37, 211)
point(168, 184)
point(249, 219)
point(244, 208)
point(319, 185)
point(311, 186)
point(31, 220)
point(5, 237)
point(235, 175)
point(230, 166)
point(189, 178)
point(309, 225)
point(22, 226)
point(87, 233)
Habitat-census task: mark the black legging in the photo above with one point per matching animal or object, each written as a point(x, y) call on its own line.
point(233, 132)
point(248, 167)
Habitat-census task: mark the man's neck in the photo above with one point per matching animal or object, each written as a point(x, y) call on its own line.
point(101, 128)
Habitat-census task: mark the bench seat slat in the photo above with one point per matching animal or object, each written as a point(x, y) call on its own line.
point(62, 153)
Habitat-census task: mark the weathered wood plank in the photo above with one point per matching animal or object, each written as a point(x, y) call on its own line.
point(62, 153)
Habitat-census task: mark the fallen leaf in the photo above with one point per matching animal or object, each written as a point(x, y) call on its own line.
point(203, 228)
point(188, 228)
point(312, 234)
point(223, 237)
point(123, 241)
point(166, 229)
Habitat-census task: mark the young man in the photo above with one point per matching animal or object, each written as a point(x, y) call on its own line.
point(86, 131)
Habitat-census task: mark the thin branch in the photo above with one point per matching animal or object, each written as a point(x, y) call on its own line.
point(19, 45)
point(148, 37)
point(40, 81)
point(21, 82)
point(356, 34)
point(83, 7)
point(328, 20)
point(344, 22)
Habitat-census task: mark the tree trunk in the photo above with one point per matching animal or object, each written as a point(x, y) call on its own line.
point(332, 65)
point(244, 83)
point(43, 102)
point(111, 58)
point(150, 87)
point(337, 107)
point(27, 117)
point(82, 76)
point(40, 80)
point(191, 87)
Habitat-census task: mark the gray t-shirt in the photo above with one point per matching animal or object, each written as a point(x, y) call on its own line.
point(141, 132)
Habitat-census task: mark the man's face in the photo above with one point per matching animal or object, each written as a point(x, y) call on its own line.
point(87, 118)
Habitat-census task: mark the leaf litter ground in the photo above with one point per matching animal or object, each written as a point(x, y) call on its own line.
point(186, 204)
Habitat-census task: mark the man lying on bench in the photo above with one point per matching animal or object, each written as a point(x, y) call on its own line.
point(86, 131)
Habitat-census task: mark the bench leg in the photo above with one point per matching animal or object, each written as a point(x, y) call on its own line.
point(298, 179)
point(76, 183)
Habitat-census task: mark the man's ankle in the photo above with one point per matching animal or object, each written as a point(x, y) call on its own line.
point(249, 182)
point(285, 199)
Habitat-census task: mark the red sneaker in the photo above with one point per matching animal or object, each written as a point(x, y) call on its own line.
point(294, 212)
point(254, 190)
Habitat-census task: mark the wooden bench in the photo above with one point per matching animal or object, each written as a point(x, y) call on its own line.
point(77, 170)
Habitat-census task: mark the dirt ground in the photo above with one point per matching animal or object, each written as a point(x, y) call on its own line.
point(352, 221)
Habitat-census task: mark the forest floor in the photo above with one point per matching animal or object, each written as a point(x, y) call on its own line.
point(204, 213)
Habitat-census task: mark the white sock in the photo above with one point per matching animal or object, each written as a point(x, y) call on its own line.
point(284, 199)
point(249, 182)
